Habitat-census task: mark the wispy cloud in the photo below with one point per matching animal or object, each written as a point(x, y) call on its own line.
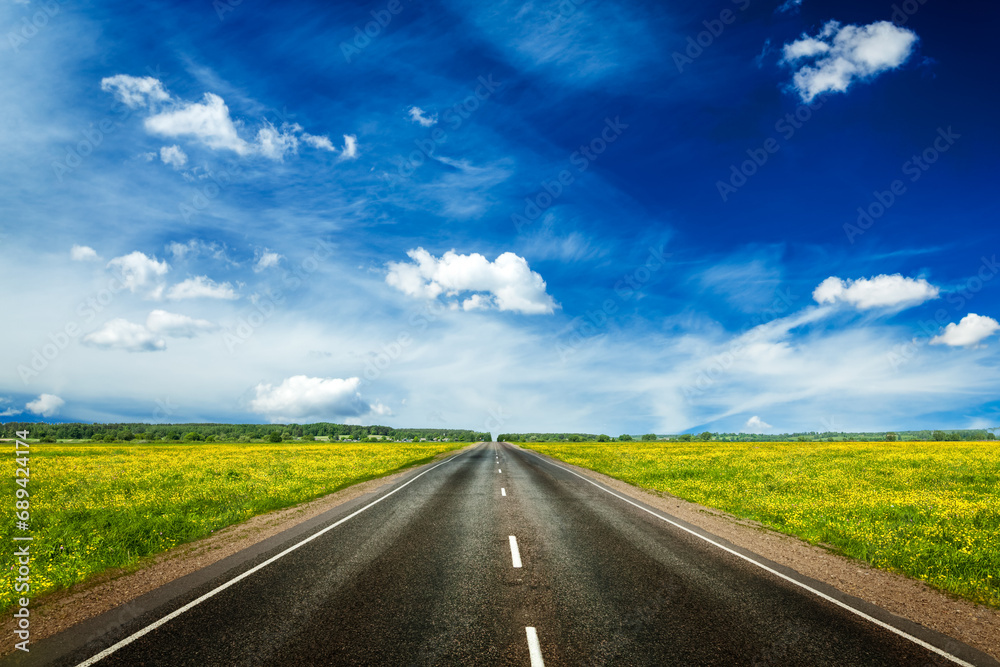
point(418, 115)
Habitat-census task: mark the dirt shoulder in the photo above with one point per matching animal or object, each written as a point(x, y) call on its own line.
point(58, 611)
point(973, 624)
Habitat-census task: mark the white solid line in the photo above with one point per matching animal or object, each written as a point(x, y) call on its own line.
point(169, 617)
point(826, 597)
point(534, 649)
point(515, 555)
point(503, 491)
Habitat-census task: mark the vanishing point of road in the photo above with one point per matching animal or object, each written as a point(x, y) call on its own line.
point(496, 556)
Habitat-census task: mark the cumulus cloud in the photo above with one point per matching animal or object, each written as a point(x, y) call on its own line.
point(790, 6)
point(120, 334)
point(173, 156)
point(756, 425)
point(301, 397)
point(969, 332)
point(882, 291)
point(46, 405)
point(82, 253)
point(840, 55)
point(201, 287)
point(350, 147)
point(137, 270)
point(504, 284)
point(417, 115)
point(266, 260)
point(209, 122)
point(175, 325)
point(135, 91)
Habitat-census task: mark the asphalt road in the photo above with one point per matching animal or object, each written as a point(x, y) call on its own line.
point(427, 575)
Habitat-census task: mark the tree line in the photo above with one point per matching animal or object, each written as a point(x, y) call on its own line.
point(127, 432)
point(810, 436)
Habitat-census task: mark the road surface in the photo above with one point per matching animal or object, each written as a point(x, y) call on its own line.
point(496, 556)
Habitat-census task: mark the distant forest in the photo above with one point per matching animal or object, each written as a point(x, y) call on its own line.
point(811, 436)
point(233, 432)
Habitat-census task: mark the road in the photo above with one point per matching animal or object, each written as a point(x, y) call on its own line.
point(426, 575)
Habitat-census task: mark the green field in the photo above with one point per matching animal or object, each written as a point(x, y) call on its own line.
point(930, 510)
point(96, 507)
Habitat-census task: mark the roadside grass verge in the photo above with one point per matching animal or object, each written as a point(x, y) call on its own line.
point(98, 507)
point(929, 510)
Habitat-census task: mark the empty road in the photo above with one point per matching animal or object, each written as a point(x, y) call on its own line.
point(495, 556)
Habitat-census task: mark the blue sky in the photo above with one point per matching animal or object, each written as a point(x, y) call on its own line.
point(513, 216)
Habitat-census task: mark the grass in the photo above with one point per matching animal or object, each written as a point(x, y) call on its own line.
point(96, 507)
point(930, 510)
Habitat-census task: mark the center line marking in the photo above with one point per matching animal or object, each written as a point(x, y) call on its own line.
point(514, 553)
point(503, 491)
point(534, 650)
point(498, 470)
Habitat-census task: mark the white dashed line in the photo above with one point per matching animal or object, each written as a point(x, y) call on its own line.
point(503, 491)
point(534, 649)
point(515, 554)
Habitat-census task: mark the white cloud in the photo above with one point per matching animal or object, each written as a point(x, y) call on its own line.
point(838, 56)
point(756, 425)
point(196, 248)
point(82, 253)
point(201, 287)
point(175, 325)
point(120, 334)
point(301, 397)
point(137, 270)
point(882, 291)
point(266, 260)
point(350, 151)
point(274, 144)
point(321, 142)
point(46, 405)
point(173, 156)
point(508, 282)
point(969, 332)
point(790, 6)
point(135, 91)
point(208, 122)
point(417, 115)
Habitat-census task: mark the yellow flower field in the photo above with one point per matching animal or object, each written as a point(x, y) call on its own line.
point(100, 506)
point(930, 510)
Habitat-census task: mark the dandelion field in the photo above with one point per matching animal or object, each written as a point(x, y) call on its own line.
point(96, 507)
point(929, 510)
